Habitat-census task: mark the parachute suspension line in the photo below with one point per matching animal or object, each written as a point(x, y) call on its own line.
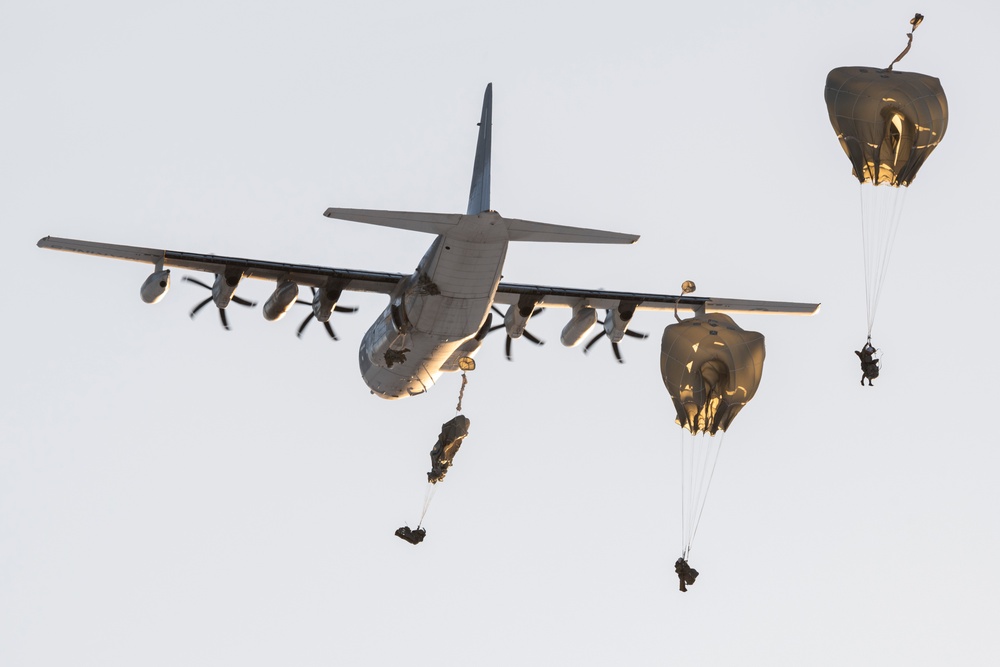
point(715, 461)
point(692, 461)
point(898, 198)
point(865, 215)
point(684, 545)
point(915, 22)
point(428, 497)
point(697, 464)
point(699, 457)
point(881, 212)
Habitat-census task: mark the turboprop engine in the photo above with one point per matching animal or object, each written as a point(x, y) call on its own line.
point(517, 316)
point(223, 290)
point(323, 306)
point(155, 286)
point(616, 321)
point(615, 327)
point(324, 302)
point(224, 287)
point(281, 300)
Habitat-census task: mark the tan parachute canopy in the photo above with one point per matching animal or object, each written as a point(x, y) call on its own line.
point(888, 122)
point(711, 368)
point(453, 432)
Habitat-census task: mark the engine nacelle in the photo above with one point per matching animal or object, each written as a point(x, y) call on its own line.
point(155, 286)
point(281, 300)
point(224, 287)
point(584, 319)
point(517, 316)
point(616, 321)
point(324, 301)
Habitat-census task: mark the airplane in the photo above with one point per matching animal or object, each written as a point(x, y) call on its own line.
point(438, 316)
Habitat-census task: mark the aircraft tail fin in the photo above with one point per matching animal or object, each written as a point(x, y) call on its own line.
point(479, 193)
point(479, 204)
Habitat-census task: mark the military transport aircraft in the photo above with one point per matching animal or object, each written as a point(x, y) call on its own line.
point(441, 312)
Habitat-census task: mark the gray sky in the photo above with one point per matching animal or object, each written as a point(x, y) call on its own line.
point(171, 493)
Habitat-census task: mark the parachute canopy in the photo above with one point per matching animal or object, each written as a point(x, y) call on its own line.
point(453, 432)
point(888, 122)
point(711, 368)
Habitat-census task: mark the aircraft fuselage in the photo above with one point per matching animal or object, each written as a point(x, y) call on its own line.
point(437, 315)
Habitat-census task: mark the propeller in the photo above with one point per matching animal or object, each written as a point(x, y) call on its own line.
point(312, 314)
point(614, 346)
point(525, 334)
point(222, 311)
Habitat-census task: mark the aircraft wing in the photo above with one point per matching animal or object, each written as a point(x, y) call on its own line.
point(384, 283)
point(567, 297)
point(303, 274)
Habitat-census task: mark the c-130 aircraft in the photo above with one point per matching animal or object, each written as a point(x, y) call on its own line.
point(440, 313)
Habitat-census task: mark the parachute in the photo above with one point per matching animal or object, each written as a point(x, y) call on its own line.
point(888, 124)
point(453, 432)
point(711, 368)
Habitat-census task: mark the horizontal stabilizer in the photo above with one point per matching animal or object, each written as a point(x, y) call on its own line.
point(526, 230)
point(445, 223)
point(432, 223)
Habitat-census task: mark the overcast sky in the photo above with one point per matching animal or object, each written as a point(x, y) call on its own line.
point(175, 494)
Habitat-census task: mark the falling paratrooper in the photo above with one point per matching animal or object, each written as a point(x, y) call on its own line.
point(711, 368)
point(449, 441)
point(453, 432)
point(870, 365)
point(411, 535)
point(888, 123)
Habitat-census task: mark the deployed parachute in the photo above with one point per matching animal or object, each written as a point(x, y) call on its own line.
point(711, 368)
point(888, 123)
